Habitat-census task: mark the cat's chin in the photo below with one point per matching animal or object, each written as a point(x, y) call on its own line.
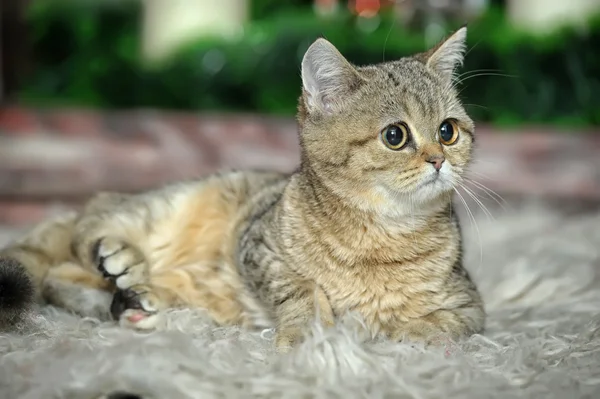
point(434, 187)
point(432, 191)
point(424, 199)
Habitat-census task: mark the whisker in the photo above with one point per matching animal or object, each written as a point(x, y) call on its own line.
point(478, 202)
point(474, 71)
point(473, 223)
point(491, 193)
point(476, 105)
point(478, 175)
point(387, 38)
point(459, 79)
point(471, 49)
point(486, 74)
point(483, 162)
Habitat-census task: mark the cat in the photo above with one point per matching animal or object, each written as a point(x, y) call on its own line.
point(364, 225)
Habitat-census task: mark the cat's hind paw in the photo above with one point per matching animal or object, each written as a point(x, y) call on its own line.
point(137, 307)
point(120, 262)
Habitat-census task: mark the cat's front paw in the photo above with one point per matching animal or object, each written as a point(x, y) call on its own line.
point(287, 338)
point(437, 328)
point(137, 307)
point(420, 332)
point(120, 262)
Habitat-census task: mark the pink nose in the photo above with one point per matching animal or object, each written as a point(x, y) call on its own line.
point(436, 161)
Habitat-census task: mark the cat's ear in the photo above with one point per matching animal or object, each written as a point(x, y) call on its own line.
point(327, 77)
point(449, 54)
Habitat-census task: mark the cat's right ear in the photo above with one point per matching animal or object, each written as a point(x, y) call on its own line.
point(448, 54)
point(327, 77)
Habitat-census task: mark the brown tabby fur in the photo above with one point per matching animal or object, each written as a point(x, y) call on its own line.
point(358, 227)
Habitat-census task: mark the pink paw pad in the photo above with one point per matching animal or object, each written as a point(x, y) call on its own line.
point(136, 317)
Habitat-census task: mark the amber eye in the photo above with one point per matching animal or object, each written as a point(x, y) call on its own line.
point(395, 136)
point(448, 132)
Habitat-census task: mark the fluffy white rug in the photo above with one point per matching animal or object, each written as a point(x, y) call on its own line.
point(538, 275)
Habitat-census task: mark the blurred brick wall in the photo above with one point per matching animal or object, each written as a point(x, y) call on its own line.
point(52, 159)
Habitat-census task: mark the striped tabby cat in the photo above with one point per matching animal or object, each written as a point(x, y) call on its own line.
point(365, 224)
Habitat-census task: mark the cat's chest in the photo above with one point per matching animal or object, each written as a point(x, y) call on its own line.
point(389, 292)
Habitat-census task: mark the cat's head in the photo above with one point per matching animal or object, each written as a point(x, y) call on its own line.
point(386, 134)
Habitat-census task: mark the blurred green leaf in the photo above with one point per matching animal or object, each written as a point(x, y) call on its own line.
point(86, 53)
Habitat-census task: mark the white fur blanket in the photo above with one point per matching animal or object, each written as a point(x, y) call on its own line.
point(538, 276)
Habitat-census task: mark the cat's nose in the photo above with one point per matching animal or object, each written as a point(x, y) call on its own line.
point(436, 161)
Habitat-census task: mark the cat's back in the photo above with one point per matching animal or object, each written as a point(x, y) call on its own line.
point(194, 219)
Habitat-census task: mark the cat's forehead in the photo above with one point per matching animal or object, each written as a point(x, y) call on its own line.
point(407, 88)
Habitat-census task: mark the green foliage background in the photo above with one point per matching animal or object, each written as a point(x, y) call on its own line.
point(87, 54)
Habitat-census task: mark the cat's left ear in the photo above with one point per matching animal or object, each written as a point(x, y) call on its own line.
point(328, 78)
point(449, 54)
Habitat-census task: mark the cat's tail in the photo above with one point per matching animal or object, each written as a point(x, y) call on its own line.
point(17, 291)
point(25, 264)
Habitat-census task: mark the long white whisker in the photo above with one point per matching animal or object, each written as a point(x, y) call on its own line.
point(485, 74)
point(479, 70)
point(471, 49)
point(388, 37)
point(478, 201)
point(491, 193)
point(475, 105)
point(479, 174)
point(461, 81)
point(473, 223)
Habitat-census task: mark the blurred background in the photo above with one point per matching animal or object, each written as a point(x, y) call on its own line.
point(125, 95)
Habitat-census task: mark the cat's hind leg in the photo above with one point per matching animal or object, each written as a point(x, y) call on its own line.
point(111, 240)
point(136, 302)
point(170, 248)
point(41, 261)
point(148, 244)
point(71, 287)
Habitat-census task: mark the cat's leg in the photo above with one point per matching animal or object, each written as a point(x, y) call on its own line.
point(120, 261)
point(461, 314)
point(109, 238)
point(139, 306)
point(78, 290)
point(105, 236)
point(165, 249)
point(161, 248)
point(442, 325)
point(196, 286)
point(44, 246)
point(27, 263)
point(298, 304)
point(43, 257)
point(137, 301)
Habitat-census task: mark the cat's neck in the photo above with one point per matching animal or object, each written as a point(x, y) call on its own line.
point(321, 199)
point(351, 234)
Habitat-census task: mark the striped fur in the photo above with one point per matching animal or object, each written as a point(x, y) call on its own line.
point(357, 228)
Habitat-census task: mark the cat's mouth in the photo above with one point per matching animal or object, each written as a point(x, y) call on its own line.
point(434, 183)
point(431, 179)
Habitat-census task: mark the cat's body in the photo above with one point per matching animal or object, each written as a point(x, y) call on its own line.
point(364, 225)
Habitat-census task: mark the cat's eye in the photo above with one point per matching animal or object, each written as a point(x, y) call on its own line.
point(395, 136)
point(449, 132)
